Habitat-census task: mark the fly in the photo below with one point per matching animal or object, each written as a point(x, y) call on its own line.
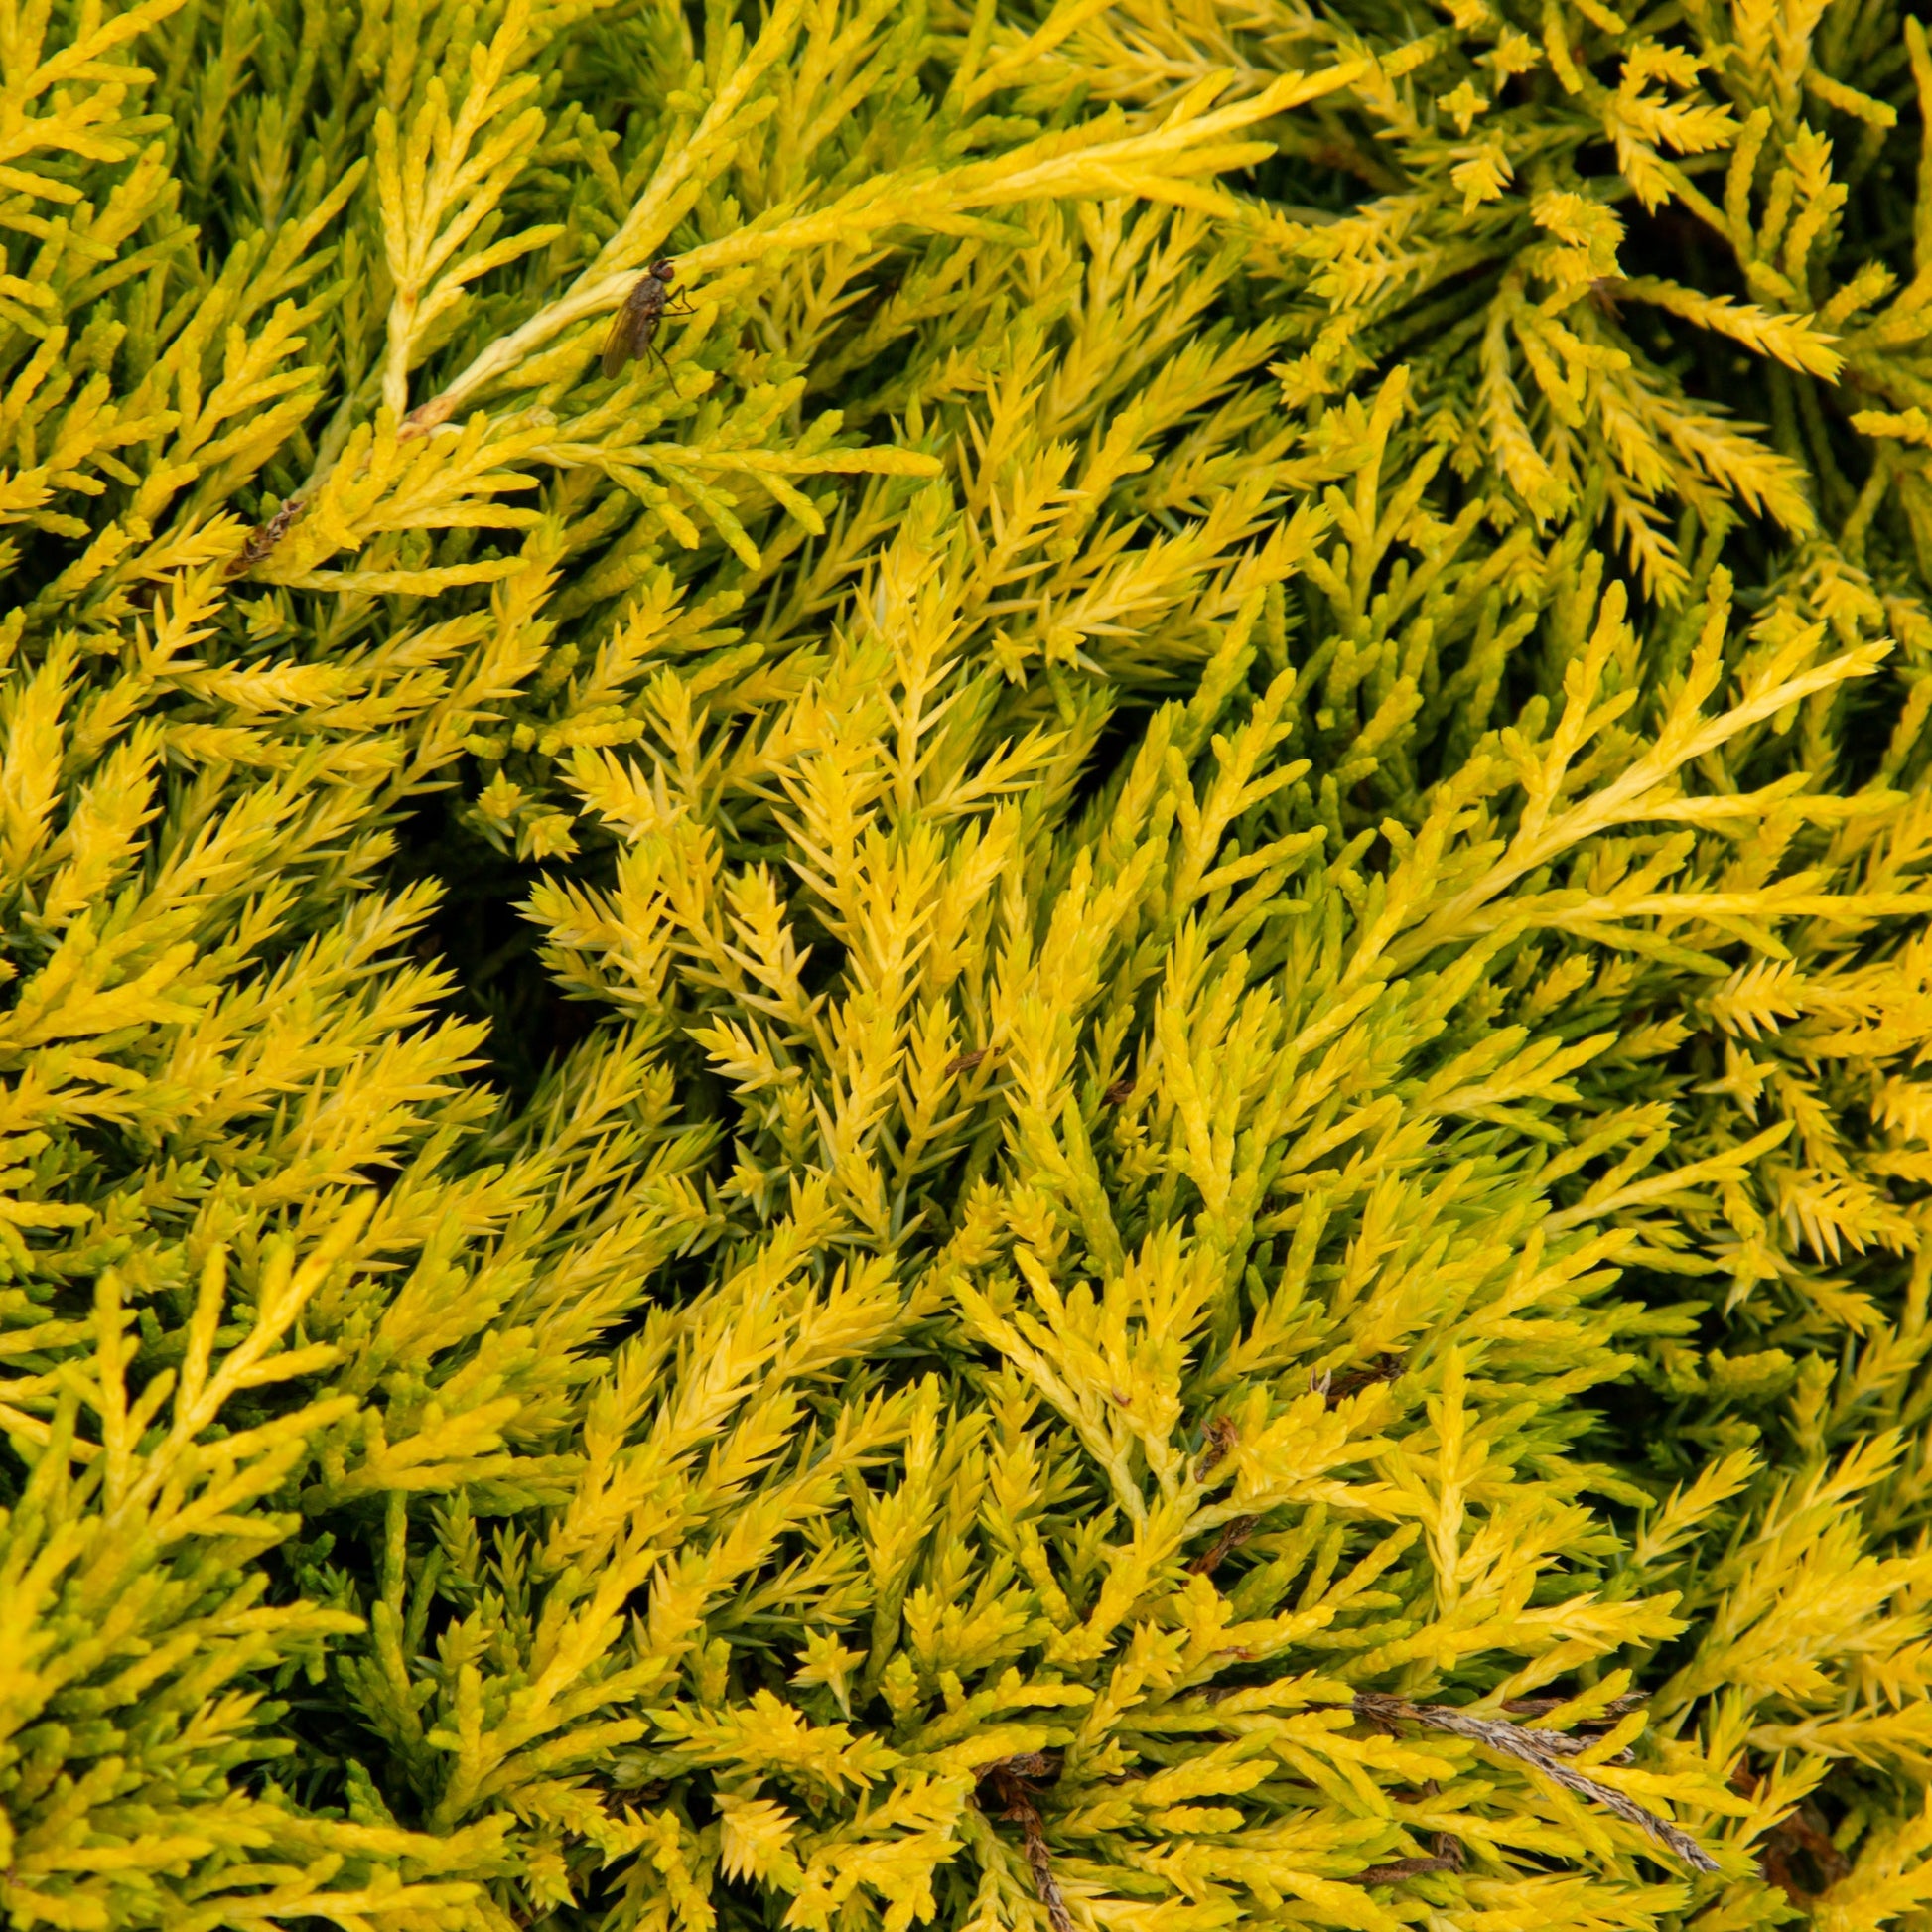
point(634, 326)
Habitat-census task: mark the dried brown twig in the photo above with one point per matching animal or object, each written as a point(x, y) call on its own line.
point(1230, 1539)
point(1006, 1790)
point(1797, 1855)
point(263, 538)
point(1390, 1874)
point(1333, 1388)
point(1445, 1852)
point(1541, 1751)
point(1569, 1746)
point(1218, 1439)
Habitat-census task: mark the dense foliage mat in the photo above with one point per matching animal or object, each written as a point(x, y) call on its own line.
point(1073, 1076)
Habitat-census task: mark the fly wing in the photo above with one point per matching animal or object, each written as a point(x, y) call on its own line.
point(623, 342)
point(634, 325)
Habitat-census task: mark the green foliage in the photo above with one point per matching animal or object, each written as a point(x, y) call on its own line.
point(1083, 1088)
